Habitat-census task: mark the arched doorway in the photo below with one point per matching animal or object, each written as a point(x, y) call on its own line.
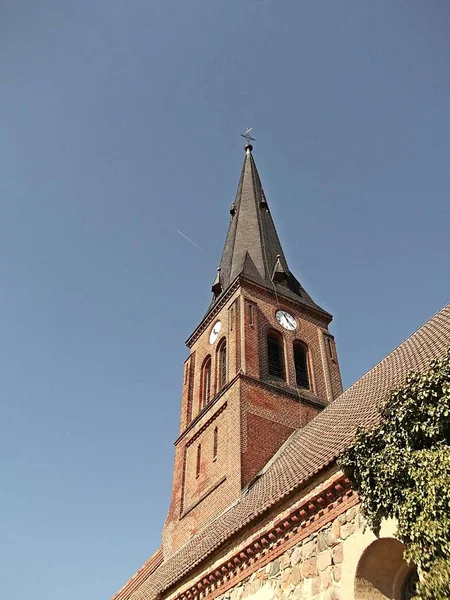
point(383, 574)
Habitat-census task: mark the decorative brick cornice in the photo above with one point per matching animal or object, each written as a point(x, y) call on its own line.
point(294, 394)
point(208, 318)
point(288, 300)
point(209, 491)
point(306, 518)
point(206, 409)
point(207, 424)
point(297, 396)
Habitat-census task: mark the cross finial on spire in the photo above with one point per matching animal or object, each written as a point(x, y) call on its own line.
point(248, 137)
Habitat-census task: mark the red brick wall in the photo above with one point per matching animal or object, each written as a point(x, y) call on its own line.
point(196, 500)
point(267, 419)
point(263, 440)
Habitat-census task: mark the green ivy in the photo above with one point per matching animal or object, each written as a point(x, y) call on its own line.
point(401, 469)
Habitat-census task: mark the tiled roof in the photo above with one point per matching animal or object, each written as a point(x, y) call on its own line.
point(252, 246)
point(309, 450)
point(141, 575)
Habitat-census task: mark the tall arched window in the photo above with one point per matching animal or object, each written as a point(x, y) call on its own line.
point(222, 364)
point(206, 382)
point(301, 365)
point(275, 364)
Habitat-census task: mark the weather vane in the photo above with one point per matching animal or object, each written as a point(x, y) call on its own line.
point(247, 135)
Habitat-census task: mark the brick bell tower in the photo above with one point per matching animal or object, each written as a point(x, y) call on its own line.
point(261, 364)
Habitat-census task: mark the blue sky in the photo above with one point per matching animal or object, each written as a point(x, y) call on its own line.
point(120, 126)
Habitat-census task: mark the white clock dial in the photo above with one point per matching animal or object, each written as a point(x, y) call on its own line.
point(215, 332)
point(286, 320)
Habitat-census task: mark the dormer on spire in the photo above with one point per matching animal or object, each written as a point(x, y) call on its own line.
point(279, 274)
point(217, 286)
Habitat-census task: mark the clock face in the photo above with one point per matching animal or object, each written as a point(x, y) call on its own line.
point(215, 332)
point(286, 320)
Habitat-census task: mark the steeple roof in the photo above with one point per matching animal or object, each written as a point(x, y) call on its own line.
point(252, 248)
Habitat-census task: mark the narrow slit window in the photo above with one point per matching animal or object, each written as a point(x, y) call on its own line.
point(275, 356)
point(199, 458)
point(301, 365)
point(216, 443)
point(222, 365)
point(330, 348)
point(250, 314)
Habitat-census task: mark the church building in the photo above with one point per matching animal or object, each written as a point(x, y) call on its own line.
point(259, 508)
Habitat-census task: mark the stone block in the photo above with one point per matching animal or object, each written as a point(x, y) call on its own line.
point(253, 587)
point(309, 549)
point(262, 574)
point(321, 542)
point(286, 575)
point(324, 560)
point(333, 594)
point(296, 575)
point(332, 539)
point(325, 578)
point(347, 530)
point(309, 568)
point(337, 572)
point(286, 584)
point(338, 554)
point(285, 560)
point(275, 566)
point(315, 588)
point(298, 593)
point(296, 556)
point(306, 587)
point(350, 515)
point(336, 528)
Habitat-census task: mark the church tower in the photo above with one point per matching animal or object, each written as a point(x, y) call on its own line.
point(261, 364)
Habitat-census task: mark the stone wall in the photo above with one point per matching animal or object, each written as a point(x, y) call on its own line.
point(311, 570)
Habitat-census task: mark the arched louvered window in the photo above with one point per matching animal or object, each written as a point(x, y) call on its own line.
point(206, 382)
point(222, 373)
point(301, 365)
point(275, 356)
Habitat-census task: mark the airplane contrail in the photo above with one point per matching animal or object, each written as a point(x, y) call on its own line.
point(189, 240)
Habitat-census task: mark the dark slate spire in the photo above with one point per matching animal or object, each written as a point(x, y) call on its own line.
point(252, 248)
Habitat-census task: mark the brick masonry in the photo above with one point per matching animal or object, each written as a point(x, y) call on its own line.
point(252, 415)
